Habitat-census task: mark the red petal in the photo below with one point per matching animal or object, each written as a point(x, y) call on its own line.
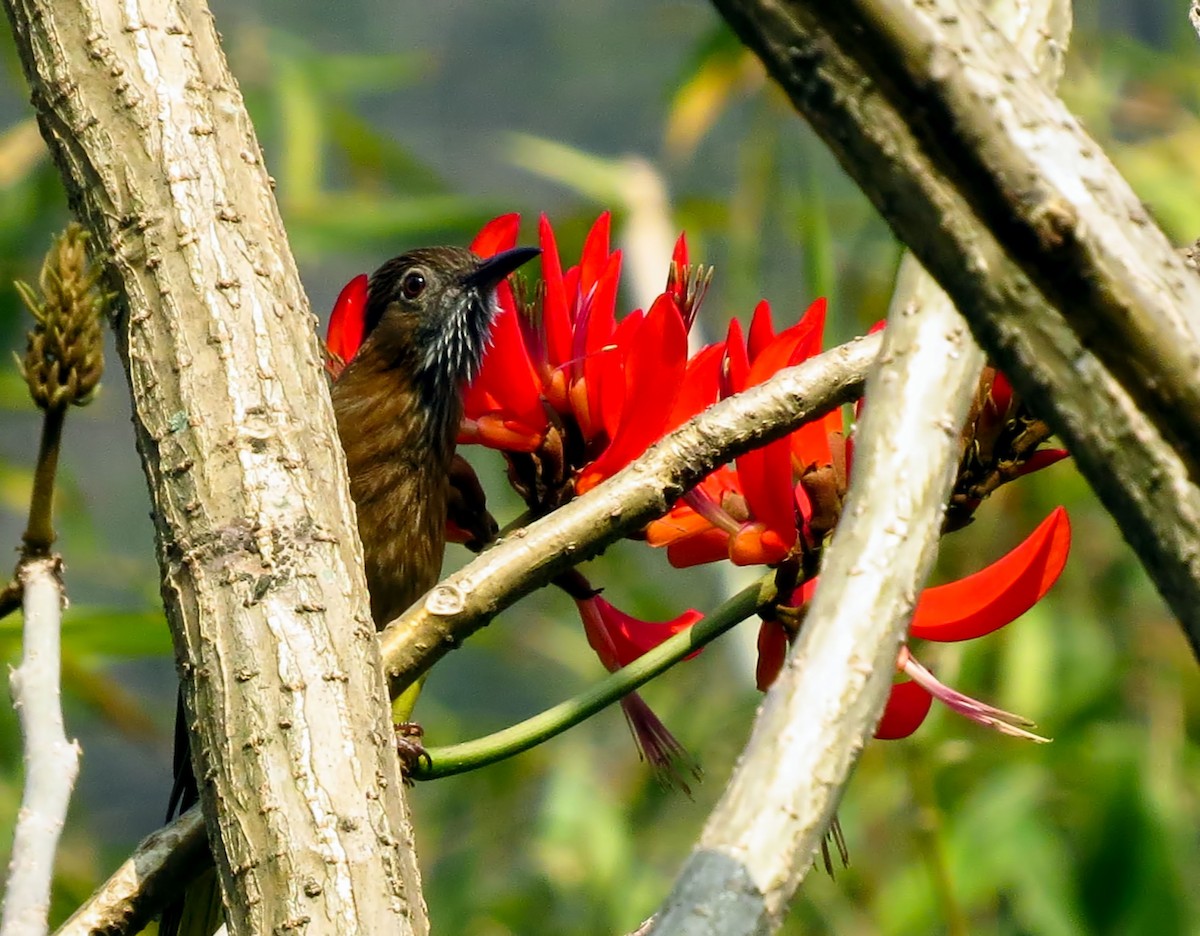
point(610, 372)
point(772, 651)
point(701, 385)
point(508, 376)
point(1000, 394)
point(594, 260)
point(555, 309)
point(762, 332)
point(680, 254)
point(497, 235)
point(710, 546)
point(737, 364)
point(906, 708)
point(676, 281)
point(755, 545)
point(653, 373)
point(594, 329)
point(618, 638)
point(348, 322)
point(999, 594)
point(679, 524)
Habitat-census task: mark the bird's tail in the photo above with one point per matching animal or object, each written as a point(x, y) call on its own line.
point(199, 910)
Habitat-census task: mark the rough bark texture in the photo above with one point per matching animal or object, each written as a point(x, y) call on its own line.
point(1135, 469)
point(262, 576)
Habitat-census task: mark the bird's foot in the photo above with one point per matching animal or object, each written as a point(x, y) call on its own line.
point(410, 749)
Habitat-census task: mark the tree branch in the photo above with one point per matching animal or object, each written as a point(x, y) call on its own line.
point(51, 761)
point(261, 566)
point(1144, 483)
point(760, 839)
point(146, 881)
point(626, 502)
point(1047, 192)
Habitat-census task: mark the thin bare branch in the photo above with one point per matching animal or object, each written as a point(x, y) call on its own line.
point(146, 881)
point(51, 761)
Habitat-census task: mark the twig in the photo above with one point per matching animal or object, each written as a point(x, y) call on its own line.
point(647, 489)
point(471, 755)
point(51, 761)
point(146, 882)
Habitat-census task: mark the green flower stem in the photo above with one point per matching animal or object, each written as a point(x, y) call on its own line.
point(39, 533)
point(459, 758)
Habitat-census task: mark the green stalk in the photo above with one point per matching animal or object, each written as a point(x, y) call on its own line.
point(39, 534)
point(459, 758)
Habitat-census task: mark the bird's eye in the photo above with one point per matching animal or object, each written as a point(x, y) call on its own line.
point(413, 284)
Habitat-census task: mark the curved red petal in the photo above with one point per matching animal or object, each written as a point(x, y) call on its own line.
point(766, 481)
point(762, 331)
point(508, 375)
point(595, 256)
point(679, 255)
point(348, 321)
point(610, 369)
point(653, 373)
point(597, 322)
point(676, 281)
point(556, 316)
point(497, 235)
point(906, 708)
point(619, 638)
point(772, 651)
point(1001, 593)
point(756, 545)
point(709, 546)
point(737, 363)
point(679, 524)
point(701, 385)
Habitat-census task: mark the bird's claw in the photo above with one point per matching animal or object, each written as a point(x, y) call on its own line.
point(410, 750)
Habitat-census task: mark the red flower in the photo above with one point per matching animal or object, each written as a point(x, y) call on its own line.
point(749, 515)
point(607, 388)
point(963, 610)
point(618, 640)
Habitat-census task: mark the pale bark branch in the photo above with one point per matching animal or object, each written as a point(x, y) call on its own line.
point(51, 761)
point(760, 839)
point(146, 881)
point(626, 502)
point(1045, 189)
point(262, 579)
point(759, 842)
point(1142, 480)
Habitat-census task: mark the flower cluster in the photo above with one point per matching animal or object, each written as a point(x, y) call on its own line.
point(571, 393)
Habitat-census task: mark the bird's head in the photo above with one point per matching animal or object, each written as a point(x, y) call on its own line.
point(429, 313)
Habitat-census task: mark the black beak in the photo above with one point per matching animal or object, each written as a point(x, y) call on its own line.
point(490, 272)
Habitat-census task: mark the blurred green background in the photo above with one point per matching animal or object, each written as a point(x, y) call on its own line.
point(393, 124)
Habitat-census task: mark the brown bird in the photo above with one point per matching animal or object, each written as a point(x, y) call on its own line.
point(398, 404)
